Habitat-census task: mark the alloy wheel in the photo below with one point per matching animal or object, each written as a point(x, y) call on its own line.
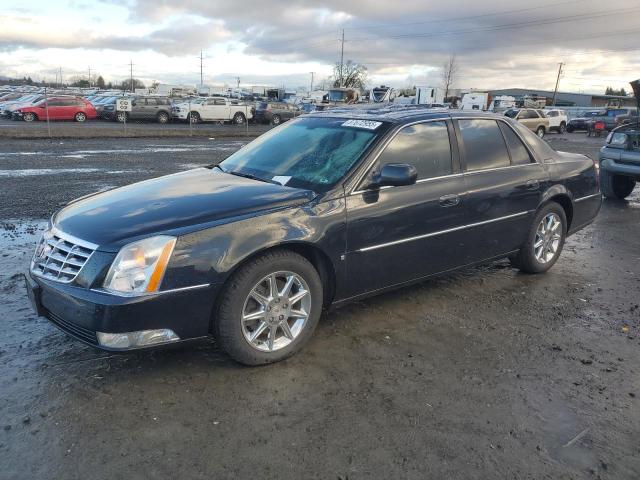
point(276, 311)
point(548, 237)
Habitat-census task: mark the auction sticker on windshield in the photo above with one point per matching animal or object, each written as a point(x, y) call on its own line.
point(368, 124)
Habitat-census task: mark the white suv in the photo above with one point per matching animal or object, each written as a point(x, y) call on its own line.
point(557, 120)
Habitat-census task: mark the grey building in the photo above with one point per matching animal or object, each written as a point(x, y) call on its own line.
point(567, 99)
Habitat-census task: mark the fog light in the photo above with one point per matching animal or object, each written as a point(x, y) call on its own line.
point(137, 339)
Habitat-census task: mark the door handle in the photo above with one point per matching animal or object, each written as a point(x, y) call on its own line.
point(533, 184)
point(449, 200)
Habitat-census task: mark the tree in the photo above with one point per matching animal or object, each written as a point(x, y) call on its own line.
point(351, 75)
point(126, 84)
point(100, 83)
point(612, 91)
point(449, 74)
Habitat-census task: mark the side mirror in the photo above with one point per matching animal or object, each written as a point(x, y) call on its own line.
point(395, 175)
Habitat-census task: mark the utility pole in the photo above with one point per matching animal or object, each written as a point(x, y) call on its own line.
point(555, 91)
point(341, 57)
point(238, 79)
point(311, 87)
point(60, 77)
point(131, 74)
point(201, 76)
point(89, 75)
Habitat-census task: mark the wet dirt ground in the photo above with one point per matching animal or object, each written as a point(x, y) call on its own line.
point(483, 374)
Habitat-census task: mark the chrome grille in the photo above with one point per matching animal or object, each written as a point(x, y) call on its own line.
point(60, 257)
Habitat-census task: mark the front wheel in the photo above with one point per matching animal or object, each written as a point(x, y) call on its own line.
point(239, 118)
point(545, 241)
point(163, 117)
point(562, 128)
point(29, 117)
point(616, 186)
point(121, 117)
point(269, 308)
point(540, 132)
point(194, 117)
point(276, 120)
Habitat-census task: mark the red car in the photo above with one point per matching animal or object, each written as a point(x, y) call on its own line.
point(59, 108)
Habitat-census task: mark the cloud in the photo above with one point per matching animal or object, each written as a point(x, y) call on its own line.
point(497, 43)
point(177, 38)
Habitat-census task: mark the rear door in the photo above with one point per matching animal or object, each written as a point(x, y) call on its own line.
point(398, 234)
point(504, 185)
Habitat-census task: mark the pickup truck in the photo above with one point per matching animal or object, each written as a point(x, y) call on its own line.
point(611, 118)
point(212, 109)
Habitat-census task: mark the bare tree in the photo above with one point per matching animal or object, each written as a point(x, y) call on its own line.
point(449, 74)
point(351, 75)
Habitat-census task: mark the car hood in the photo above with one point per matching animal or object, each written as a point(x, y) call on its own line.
point(173, 204)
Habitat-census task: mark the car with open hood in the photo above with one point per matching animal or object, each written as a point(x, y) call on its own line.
point(328, 208)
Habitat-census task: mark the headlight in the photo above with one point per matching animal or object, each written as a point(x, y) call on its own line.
point(140, 266)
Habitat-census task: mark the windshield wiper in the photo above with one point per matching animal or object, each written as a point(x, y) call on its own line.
point(252, 177)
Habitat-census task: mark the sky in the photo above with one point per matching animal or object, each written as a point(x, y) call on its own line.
point(497, 43)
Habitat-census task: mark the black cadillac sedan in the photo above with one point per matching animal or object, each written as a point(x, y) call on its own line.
point(323, 210)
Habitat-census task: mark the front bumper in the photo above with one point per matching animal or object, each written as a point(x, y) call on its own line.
point(619, 168)
point(82, 312)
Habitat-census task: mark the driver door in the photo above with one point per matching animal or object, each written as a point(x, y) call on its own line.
point(399, 234)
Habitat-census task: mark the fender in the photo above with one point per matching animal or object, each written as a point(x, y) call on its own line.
point(212, 255)
point(554, 191)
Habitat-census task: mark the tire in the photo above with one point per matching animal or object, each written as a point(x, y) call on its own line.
point(540, 132)
point(239, 118)
point(616, 186)
point(163, 117)
point(194, 117)
point(562, 128)
point(121, 117)
point(530, 259)
point(570, 129)
point(80, 117)
point(29, 117)
point(236, 301)
point(276, 120)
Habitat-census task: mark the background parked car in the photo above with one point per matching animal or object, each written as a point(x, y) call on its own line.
point(535, 120)
point(582, 122)
point(275, 112)
point(58, 108)
point(145, 108)
point(557, 119)
point(213, 109)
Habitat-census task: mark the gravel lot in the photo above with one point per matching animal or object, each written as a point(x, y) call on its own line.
point(483, 374)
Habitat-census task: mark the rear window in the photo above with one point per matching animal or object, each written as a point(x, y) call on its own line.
point(535, 142)
point(483, 145)
point(519, 153)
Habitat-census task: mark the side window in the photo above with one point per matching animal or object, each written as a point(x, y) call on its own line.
point(519, 153)
point(152, 102)
point(219, 101)
point(425, 146)
point(483, 145)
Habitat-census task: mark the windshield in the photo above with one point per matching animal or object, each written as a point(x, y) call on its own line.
point(311, 153)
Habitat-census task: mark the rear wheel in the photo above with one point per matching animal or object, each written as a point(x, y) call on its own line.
point(269, 308)
point(163, 117)
point(545, 241)
point(616, 186)
point(80, 117)
point(29, 117)
point(540, 132)
point(239, 118)
point(562, 128)
point(276, 119)
point(570, 129)
point(122, 117)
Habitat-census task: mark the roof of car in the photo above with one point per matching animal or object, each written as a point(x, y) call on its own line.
point(397, 113)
